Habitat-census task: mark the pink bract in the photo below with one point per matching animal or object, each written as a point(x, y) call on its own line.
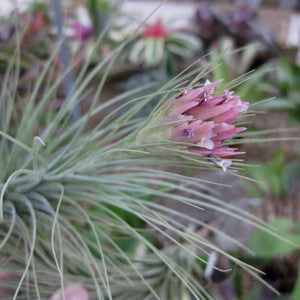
point(205, 120)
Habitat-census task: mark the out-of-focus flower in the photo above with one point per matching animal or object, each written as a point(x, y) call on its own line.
point(72, 292)
point(80, 32)
point(80, 27)
point(39, 21)
point(155, 31)
point(203, 121)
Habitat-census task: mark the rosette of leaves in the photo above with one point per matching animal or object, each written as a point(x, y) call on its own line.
point(156, 44)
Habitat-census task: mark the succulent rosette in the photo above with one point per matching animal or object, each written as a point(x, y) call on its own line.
point(202, 121)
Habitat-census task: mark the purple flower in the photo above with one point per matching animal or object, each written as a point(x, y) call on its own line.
point(81, 32)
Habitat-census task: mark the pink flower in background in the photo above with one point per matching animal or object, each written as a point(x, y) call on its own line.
point(156, 31)
point(72, 292)
point(205, 121)
point(80, 32)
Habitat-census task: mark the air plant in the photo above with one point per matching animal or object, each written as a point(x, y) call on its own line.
point(75, 204)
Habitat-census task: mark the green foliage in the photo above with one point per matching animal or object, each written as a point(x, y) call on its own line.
point(296, 291)
point(266, 246)
point(234, 66)
point(276, 178)
point(38, 5)
point(100, 11)
point(285, 84)
point(290, 178)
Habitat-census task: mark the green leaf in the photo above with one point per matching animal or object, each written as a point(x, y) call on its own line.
point(296, 291)
point(267, 246)
point(290, 177)
point(154, 51)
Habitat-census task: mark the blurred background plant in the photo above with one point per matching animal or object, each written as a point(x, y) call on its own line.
point(158, 45)
point(240, 26)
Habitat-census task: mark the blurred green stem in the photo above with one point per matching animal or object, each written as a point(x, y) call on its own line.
point(94, 9)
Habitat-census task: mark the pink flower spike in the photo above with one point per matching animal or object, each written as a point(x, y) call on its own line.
point(207, 122)
point(200, 121)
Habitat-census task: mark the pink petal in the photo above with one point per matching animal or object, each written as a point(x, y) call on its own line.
point(190, 98)
point(233, 111)
point(215, 100)
point(179, 132)
point(217, 152)
point(222, 127)
point(226, 135)
point(203, 131)
point(205, 113)
point(181, 105)
point(226, 151)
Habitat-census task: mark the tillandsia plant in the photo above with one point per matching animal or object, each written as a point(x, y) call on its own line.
point(76, 205)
